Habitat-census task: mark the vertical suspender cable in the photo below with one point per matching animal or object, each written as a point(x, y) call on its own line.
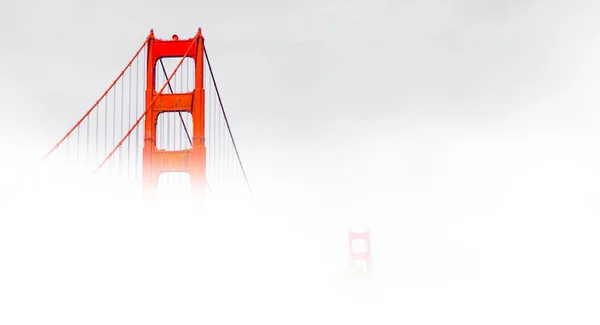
point(114, 133)
point(97, 127)
point(87, 143)
point(106, 125)
point(77, 145)
point(120, 161)
point(128, 163)
point(137, 95)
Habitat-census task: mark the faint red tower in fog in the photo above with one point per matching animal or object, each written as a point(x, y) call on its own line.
point(353, 256)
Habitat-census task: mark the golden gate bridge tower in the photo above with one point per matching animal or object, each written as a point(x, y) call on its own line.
point(360, 256)
point(152, 126)
point(192, 160)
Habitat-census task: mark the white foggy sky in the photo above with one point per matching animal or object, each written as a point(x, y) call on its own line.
point(465, 132)
point(300, 79)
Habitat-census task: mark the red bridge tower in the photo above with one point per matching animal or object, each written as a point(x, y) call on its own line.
point(365, 256)
point(193, 160)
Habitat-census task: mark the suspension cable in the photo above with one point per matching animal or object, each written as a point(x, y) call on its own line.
point(226, 121)
point(98, 101)
point(147, 108)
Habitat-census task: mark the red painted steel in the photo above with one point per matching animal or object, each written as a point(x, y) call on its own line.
point(191, 161)
point(360, 256)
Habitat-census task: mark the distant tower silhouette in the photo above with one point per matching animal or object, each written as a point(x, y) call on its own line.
point(365, 256)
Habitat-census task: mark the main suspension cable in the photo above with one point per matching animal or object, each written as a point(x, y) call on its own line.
point(226, 120)
point(97, 102)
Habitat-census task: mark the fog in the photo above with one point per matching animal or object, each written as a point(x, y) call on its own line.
point(462, 134)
